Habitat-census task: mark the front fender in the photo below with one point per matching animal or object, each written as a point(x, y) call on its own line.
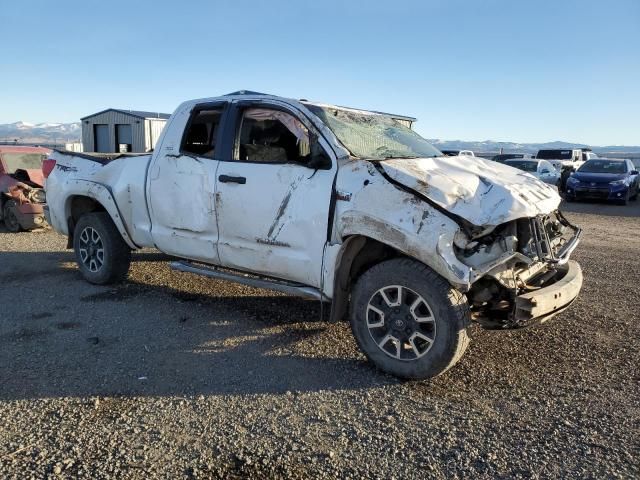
point(432, 246)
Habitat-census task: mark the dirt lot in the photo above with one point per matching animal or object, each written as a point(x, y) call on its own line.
point(171, 375)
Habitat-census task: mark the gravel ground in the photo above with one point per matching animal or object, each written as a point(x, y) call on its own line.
point(173, 376)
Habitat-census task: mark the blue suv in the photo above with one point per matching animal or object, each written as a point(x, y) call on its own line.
point(604, 179)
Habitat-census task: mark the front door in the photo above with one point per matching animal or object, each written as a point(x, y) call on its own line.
point(181, 185)
point(273, 209)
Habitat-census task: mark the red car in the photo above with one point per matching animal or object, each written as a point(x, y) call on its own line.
point(22, 197)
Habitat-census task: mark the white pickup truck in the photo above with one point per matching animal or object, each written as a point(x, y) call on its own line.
point(345, 206)
point(571, 159)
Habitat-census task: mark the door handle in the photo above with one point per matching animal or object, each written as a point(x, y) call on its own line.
point(230, 179)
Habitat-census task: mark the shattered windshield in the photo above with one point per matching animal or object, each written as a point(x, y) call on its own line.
point(373, 136)
point(26, 161)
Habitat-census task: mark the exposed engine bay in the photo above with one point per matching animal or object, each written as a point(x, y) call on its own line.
point(516, 258)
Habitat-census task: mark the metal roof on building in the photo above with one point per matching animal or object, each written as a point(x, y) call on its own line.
point(133, 113)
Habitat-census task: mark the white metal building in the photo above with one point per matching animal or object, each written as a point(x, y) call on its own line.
point(114, 130)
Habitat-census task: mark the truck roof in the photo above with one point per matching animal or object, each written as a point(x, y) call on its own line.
point(250, 93)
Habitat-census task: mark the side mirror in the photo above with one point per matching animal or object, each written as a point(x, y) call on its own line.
point(634, 172)
point(319, 159)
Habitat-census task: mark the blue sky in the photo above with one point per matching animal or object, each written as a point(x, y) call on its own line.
point(528, 71)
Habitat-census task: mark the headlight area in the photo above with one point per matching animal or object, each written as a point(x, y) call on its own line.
point(619, 183)
point(515, 259)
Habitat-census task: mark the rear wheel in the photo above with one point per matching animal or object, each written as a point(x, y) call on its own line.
point(102, 255)
point(10, 217)
point(408, 320)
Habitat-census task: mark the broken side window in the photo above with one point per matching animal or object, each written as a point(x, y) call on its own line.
point(271, 136)
point(202, 132)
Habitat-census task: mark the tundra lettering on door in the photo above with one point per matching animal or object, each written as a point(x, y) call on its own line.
point(349, 207)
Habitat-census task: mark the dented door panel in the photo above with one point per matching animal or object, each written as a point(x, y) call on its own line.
point(275, 223)
point(181, 196)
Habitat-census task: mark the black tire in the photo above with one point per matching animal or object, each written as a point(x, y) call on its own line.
point(11, 222)
point(446, 306)
point(635, 195)
point(625, 200)
point(113, 265)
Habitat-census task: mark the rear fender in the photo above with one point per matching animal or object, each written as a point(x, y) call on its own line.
point(101, 194)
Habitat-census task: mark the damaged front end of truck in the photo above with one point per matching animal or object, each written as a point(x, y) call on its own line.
point(521, 272)
point(492, 232)
point(511, 252)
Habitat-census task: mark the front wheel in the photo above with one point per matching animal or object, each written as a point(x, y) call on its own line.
point(102, 255)
point(625, 200)
point(408, 320)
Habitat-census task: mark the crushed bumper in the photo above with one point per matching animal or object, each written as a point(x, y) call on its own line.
point(542, 304)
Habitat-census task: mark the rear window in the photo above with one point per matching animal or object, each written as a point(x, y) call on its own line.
point(522, 165)
point(603, 166)
point(25, 161)
point(554, 154)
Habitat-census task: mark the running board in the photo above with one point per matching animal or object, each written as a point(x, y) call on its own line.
point(252, 281)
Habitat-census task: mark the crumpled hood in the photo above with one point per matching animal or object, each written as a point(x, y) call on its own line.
point(483, 192)
point(34, 175)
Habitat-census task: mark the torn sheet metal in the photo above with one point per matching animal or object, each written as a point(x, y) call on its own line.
point(482, 192)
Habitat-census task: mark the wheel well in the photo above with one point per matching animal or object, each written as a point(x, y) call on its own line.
point(358, 255)
point(79, 205)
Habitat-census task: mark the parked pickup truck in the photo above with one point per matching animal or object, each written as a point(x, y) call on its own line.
point(566, 159)
point(345, 206)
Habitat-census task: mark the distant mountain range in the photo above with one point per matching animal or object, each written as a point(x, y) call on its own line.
point(60, 133)
point(510, 147)
point(48, 133)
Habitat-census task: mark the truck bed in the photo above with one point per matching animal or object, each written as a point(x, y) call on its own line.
point(115, 182)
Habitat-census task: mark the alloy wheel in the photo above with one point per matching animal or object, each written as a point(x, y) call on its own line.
point(91, 249)
point(401, 322)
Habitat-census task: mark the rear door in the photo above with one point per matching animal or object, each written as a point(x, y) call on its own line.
point(273, 209)
point(181, 184)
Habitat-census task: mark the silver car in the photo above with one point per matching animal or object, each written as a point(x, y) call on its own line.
point(541, 169)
